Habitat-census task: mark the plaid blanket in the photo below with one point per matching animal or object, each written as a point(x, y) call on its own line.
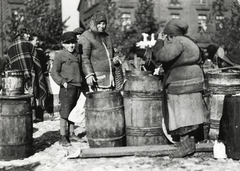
point(23, 56)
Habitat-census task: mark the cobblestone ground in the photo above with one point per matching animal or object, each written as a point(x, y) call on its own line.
point(50, 156)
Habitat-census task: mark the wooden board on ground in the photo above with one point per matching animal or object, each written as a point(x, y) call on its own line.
point(153, 150)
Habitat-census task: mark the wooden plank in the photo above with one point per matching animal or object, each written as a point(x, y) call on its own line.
point(153, 150)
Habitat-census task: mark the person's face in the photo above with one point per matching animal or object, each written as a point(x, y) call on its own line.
point(35, 41)
point(101, 27)
point(70, 46)
point(26, 36)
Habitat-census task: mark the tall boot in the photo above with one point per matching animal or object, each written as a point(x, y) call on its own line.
point(63, 139)
point(72, 136)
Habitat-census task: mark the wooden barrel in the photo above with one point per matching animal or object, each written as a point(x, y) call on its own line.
point(104, 120)
point(13, 82)
point(16, 127)
point(230, 126)
point(220, 84)
point(223, 82)
point(143, 109)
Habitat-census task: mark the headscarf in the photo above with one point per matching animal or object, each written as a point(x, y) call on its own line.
point(176, 27)
point(100, 17)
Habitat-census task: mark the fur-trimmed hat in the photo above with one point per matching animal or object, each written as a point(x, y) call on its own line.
point(68, 37)
point(176, 27)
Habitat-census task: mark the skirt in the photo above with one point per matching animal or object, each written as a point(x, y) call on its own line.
point(186, 110)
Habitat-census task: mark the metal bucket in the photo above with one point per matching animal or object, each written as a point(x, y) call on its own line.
point(12, 82)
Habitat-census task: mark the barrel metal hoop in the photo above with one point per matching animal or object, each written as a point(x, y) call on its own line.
point(106, 139)
point(6, 115)
point(25, 143)
point(144, 132)
point(231, 89)
point(139, 94)
point(101, 110)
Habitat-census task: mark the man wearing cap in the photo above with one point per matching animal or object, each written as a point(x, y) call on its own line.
point(97, 58)
point(23, 56)
point(220, 59)
point(183, 105)
point(78, 31)
point(67, 74)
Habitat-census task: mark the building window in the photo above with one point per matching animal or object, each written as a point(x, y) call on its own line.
point(219, 24)
point(126, 20)
point(202, 1)
point(175, 16)
point(219, 17)
point(92, 2)
point(174, 2)
point(202, 20)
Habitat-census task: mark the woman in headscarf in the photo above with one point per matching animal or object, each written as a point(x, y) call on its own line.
point(183, 105)
point(98, 59)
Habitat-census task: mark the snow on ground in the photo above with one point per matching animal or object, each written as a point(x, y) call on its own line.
point(50, 156)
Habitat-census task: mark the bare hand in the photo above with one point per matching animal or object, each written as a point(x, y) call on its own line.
point(90, 80)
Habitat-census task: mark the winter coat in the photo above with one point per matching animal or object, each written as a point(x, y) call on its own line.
point(180, 57)
point(97, 57)
point(67, 68)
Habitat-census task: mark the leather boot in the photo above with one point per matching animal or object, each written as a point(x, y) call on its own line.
point(185, 148)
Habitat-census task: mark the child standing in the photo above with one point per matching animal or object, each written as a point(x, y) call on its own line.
point(66, 73)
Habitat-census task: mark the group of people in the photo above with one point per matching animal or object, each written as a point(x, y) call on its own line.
point(87, 62)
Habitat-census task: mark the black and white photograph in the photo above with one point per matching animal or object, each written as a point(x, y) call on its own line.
point(119, 85)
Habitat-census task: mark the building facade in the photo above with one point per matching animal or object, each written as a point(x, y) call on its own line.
point(195, 12)
point(10, 8)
